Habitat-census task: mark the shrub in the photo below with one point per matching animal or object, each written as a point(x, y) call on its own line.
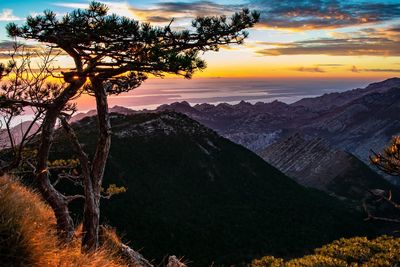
point(355, 252)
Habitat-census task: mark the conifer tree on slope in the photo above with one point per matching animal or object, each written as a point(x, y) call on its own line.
point(113, 54)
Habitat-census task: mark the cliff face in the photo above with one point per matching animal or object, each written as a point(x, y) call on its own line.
point(313, 162)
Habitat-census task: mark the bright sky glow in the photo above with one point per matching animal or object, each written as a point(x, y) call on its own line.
point(325, 39)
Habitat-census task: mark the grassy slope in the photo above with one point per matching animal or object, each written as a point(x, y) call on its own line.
point(227, 206)
point(28, 234)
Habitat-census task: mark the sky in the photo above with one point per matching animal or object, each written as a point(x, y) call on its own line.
point(320, 40)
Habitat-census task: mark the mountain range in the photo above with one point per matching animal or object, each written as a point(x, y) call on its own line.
point(349, 124)
point(355, 121)
point(16, 132)
point(193, 193)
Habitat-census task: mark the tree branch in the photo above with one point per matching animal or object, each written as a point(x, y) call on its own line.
point(69, 199)
point(377, 218)
point(82, 156)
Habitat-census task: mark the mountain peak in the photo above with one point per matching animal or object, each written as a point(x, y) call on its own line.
point(166, 123)
point(384, 85)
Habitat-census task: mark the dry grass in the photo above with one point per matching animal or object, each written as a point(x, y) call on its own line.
point(28, 234)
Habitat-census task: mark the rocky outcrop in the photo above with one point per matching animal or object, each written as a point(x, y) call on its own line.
point(174, 262)
point(134, 258)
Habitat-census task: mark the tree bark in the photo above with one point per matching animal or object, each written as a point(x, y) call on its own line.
point(55, 199)
point(92, 184)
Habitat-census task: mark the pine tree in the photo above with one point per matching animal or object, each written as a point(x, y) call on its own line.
point(113, 54)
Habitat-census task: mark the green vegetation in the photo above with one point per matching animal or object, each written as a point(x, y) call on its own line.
point(383, 251)
point(195, 194)
point(388, 160)
point(111, 54)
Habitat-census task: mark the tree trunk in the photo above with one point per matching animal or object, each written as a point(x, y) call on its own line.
point(56, 201)
point(91, 216)
point(91, 219)
point(54, 198)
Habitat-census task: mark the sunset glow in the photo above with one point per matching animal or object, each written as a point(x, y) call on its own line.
point(351, 40)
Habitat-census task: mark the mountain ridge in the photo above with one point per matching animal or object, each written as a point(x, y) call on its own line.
point(192, 192)
point(313, 162)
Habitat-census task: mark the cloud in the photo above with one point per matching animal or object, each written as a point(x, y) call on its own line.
point(283, 14)
point(330, 65)
point(7, 15)
point(382, 70)
point(286, 14)
point(34, 49)
point(368, 41)
point(354, 69)
point(120, 8)
point(72, 5)
point(165, 11)
point(311, 69)
point(6, 46)
point(323, 14)
point(357, 70)
point(318, 68)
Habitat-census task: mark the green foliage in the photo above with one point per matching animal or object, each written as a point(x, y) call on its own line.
point(354, 252)
point(225, 207)
point(268, 261)
point(112, 190)
point(389, 160)
point(123, 51)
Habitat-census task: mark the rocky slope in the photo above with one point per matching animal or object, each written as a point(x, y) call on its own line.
point(313, 162)
point(17, 132)
point(363, 124)
point(332, 100)
point(193, 193)
point(355, 121)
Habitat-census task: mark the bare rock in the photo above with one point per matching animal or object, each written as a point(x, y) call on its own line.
point(173, 261)
point(135, 258)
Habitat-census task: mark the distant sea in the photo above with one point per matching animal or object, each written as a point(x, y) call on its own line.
point(155, 92)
